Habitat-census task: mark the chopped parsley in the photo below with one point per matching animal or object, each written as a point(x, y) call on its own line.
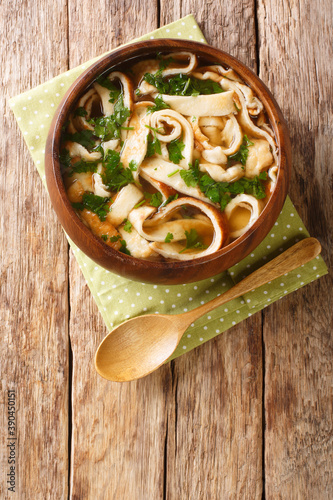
point(127, 226)
point(243, 152)
point(133, 165)
point(169, 199)
point(154, 199)
point(140, 203)
point(168, 238)
point(159, 104)
point(182, 85)
point(84, 137)
point(104, 237)
point(153, 146)
point(220, 192)
point(193, 241)
point(94, 203)
point(109, 127)
point(65, 158)
point(106, 82)
point(113, 239)
point(173, 173)
point(123, 248)
point(164, 62)
point(175, 149)
point(80, 111)
point(116, 176)
point(83, 166)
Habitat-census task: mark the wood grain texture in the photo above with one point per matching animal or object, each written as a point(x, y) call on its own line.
point(215, 426)
point(295, 61)
point(119, 430)
point(194, 429)
point(34, 268)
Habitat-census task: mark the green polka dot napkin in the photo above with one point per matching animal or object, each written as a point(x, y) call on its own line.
point(118, 298)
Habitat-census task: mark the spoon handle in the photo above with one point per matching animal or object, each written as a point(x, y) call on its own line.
point(297, 255)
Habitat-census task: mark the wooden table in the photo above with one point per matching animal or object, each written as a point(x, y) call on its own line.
point(245, 415)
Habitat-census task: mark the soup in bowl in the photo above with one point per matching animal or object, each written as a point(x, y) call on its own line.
point(168, 161)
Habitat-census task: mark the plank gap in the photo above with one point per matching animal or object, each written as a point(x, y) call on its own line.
point(158, 13)
point(165, 460)
point(263, 404)
point(70, 378)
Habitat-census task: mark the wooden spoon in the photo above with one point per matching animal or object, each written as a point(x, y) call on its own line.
point(140, 345)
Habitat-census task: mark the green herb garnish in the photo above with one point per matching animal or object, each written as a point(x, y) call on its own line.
point(106, 82)
point(127, 226)
point(109, 127)
point(115, 175)
point(168, 238)
point(242, 154)
point(84, 137)
point(159, 104)
point(104, 237)
point(220, 192)
point(153, 146)
point(65, 158)
point(80, 111)
point(113, 239)
point(133, 165)
point(173, 173)
point(94, 203)
point(175, 149)
point(154, 199)
point(182, 85)
point(193, 241)
point(169, 199)
point(124, 248)
point(83, 166)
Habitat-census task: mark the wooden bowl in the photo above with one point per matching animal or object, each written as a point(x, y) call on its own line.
point(165, 272)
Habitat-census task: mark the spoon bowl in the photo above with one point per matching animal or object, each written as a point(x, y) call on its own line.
point(140, 345)
point(131, 342)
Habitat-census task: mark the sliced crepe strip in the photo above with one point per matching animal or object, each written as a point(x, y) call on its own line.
point(123, 203)
point(217, 131)
point(86, 102)
point(215, 72)
point(179, 129)
point(77, 150)
point(165, 190)
point(253, 104)
point(215, 155)
point(177, 57)
point(166, 172)
point(247, 124)
point(100, 228)
point(219, 174)
point(158, 227)
point(242, 212)
point(135, 147)
point(203, 105)
point(152, 66)
point(258, 159)
point(112, 144)
point(99, 188)
point(104, 95)
point(139, 247)
point(272, 174)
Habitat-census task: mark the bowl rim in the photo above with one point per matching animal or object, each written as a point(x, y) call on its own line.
point(140, 50)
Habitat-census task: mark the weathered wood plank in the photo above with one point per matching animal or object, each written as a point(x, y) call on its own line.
point(119, 430)
point(215, 426)
point(296, 63)
point(34, 278)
